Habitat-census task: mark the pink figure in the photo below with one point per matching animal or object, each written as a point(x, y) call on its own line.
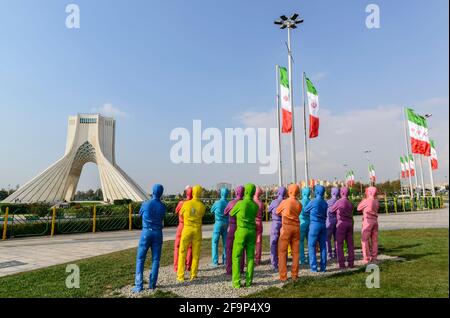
point(259, 225)
point(369, 233)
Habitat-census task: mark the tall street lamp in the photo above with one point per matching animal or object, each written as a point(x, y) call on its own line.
point(368, 152)
point(291, 23)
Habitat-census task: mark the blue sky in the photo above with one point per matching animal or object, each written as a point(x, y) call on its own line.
point(162, 64)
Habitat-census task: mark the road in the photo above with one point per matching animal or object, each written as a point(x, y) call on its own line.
point(25, 254)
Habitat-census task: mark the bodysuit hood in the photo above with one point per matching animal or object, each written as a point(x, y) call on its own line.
point(306, 192)
point(196, 192)
point(224, 193)
point(281, 192)
point(239, 192)
point(371, 192)
point(335, 192)
point(258, 192)
point(189, 193)
point(157, 191)
point(293, 191)
point(319, 190)
point(344, 192)
point(250, 189)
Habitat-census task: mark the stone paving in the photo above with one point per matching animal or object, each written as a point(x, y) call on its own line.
point(40, 252)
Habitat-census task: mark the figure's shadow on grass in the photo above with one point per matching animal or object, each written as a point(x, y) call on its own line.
point(381, 248)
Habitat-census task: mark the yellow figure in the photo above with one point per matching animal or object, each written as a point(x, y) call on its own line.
point(289, 250)
point(192, 213)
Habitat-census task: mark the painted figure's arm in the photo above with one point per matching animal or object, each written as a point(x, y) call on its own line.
point(235, 210)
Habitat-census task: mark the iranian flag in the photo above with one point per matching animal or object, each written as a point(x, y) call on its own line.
point(418, 132)
point(313, 105)
point(372, 174)
point(407, 167)
point(434, 160)
point(285, 101)
point(412, 166)
point(402, 165)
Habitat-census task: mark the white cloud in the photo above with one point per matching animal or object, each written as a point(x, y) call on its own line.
point(343, 138)
point(110, 111)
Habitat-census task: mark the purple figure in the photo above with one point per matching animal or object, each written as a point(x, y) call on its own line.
point(232, 229)
point(331, 223)
point(344, 228)
point(276, 227)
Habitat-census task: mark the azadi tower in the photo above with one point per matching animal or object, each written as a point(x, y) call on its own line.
point(90, 138)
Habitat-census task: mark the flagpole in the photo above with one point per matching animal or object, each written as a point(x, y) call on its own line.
point(407, 151)
point(433, 193)
point(305, 138)
point(280, 168)
point(291, 97)
point(415, 175)
point(424, 193)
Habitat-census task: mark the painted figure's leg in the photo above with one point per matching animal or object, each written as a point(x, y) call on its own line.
point(215, 244)
point(375, 242)
point(189, 258)
point(340, 236)
point(186, 237)
point(156, 245)
point(196, 244)
point(250, 251)
point(365, 234)
point(224, 233)
point(282, 253)
point(238, 248)
point(295, 242)
point(229, 248)
point(176, 248)
point(323, 249)
point(312, 241)
point(259, 231)
point(140, 261)
point(350, 245)
point(274, 236)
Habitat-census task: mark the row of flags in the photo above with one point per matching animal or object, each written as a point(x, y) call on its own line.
point(407, 165)
point(350, 179)
point(420, 142)
point(286, 105)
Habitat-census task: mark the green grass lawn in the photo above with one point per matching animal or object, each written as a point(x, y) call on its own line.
point(423, 273)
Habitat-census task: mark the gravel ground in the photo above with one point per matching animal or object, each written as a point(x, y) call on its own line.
point(214, 283)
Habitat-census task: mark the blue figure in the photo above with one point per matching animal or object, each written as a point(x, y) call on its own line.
point(220, 227)
point(317, 211)
point(304, 223)
point(152, 213)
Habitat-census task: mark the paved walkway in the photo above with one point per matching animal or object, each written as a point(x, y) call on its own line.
point(25, 254)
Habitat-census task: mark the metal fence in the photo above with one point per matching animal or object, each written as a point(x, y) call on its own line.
point(34, 221)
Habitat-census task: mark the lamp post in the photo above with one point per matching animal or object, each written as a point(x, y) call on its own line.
point(289, 24)
point(368, 152)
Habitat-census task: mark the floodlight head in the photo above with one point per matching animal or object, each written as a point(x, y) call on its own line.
point(284, 26)
point(298, 21)
point(293, 26)
point(283, 17)
point(278, 22)
point(428, 115)
point(294, 16)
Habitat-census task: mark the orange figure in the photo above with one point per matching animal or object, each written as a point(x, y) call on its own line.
point(290, 232)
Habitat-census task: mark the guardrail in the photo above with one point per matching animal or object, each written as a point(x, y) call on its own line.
point(101, 218)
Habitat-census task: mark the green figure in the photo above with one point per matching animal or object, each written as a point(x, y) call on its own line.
point(245, 236)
